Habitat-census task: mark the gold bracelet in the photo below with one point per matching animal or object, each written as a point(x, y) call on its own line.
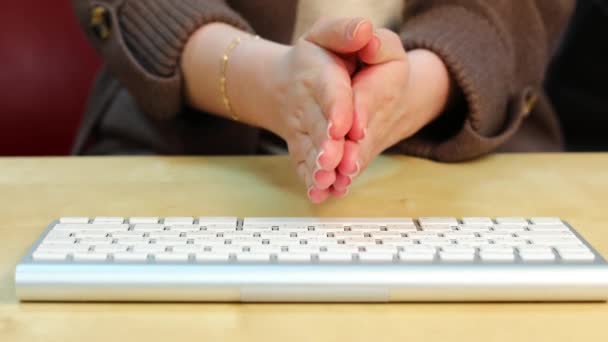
point(224, 71)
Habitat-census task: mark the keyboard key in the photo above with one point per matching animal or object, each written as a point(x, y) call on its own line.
point(416, 256)
point(548, 228)
point(148, 227)
point(149, 248)
point(304, 249)
point(74, 220)
point(350, 249)
point(171, 257)
point(164, 234)
point(514, 242)
point(149, 220)
point(572, 248)
point(437, 228)
point(72, 227)
point(95, 240)
point(201, 235)
point(91, 234)
point(67, 247)
point(504, 227)
point(253, 257)
point(39, 255)
point(212, 257)
point(189, 248)
point(375, 257)
point(576, 255)
point(401, 227)
point(265, 249)
point(512, 221)
point(219, 228)
point(420, 249)
point(184, 228)
point(456, 256)
point(472, 242)
point(458, 249)
point(127, 235)
point(89, 256)
point(365, 227)
point(130, 256)
point(293, 257)
point(168, 221)
point(478, 221)
point(334, 257)
point(435, 242)
point(228, 220)
point(171, 241)
point(110, 248)
point(108, 220)
point(135, 241)
point(473, 228)
point(496, 257)
point(396, 242)
point(423, 221)
point(546, 234)
point(459, 235)
point(225, 249)
point(546, 220)
point(528, 256)
point(381, 249)
point(58, 239)
point(423, 234)
point(492, 249)
point(535, 249)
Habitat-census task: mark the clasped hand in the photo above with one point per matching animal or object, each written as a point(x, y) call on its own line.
point(349, 92)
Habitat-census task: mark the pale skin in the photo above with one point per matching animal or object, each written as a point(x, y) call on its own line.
point(335, 121)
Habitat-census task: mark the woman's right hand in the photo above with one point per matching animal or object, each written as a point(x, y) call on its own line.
point(302, 93)
point(314, 99)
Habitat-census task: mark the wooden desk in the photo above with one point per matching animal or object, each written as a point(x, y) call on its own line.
point(37, 190)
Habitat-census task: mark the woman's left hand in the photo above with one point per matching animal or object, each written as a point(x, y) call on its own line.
point(395, 95)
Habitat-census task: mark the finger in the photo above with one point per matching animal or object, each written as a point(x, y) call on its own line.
point(338, 193)
point(350, 164)
point(341, 35)
point(315, 195)
point(315, 176)
point(342, 182)
point(330, 150)
point(386, 46)
point(362, 106)
point(334, 95)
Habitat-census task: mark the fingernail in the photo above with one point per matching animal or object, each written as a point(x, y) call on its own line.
point(353, 27)
point(331, 124)
point(319, 160)
point(316, 176)
point(356, 172)
point(309, 192)
point(311, 197)
point(343, 194)
point(364, 133)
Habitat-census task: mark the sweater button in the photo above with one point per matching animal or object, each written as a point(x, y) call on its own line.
point(100, 22)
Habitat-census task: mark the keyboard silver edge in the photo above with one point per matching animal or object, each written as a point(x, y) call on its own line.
point(324, 282)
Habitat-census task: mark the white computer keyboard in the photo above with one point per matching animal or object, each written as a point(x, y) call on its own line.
point(288, 254)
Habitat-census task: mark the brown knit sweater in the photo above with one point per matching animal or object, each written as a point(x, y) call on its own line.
point(496, 51)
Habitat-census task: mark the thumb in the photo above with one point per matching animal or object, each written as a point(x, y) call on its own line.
point(384, 47)
point(341, 35)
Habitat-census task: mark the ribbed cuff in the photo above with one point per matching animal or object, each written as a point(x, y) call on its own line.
point(481, 64)
point(156, 31)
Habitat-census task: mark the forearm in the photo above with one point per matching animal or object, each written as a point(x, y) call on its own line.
point(251, 83)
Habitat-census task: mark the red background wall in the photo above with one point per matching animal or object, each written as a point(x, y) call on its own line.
point(46, 70)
